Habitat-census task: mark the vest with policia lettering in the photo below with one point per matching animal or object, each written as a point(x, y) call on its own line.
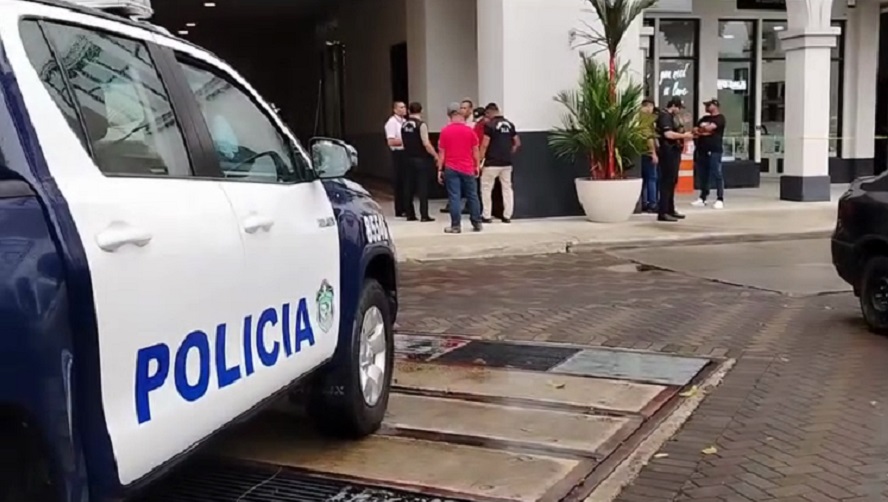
point(412, 139)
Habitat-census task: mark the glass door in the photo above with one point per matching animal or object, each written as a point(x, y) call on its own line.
point(736, 87)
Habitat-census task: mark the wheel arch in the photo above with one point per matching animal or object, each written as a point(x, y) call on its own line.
point(381, 267)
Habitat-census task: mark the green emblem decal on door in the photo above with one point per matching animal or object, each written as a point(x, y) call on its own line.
point(325, 306)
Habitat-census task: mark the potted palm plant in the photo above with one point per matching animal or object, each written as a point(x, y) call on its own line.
point(603, 122)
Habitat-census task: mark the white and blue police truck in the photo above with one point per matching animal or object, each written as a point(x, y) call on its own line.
point(171, 258)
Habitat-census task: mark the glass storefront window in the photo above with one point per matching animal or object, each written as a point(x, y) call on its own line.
point(678, 78)
point(736, 39)
point(676, 65)
point(774, 90)
point(771, 46)
point(735, 86)
point(677, 38)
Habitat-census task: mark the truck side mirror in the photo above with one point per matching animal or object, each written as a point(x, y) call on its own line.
point(332, 158)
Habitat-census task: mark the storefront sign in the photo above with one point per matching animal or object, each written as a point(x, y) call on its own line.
point(675, 79)
point(731, 85)
point(761, 4)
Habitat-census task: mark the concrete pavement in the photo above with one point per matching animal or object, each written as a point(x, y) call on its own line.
point(750, 214)
point(792, 267)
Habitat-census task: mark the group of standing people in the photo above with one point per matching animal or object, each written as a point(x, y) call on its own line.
point(661, 165)
point(475, 148)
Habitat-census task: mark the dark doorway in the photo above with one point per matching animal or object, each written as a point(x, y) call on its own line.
point(398, 59)
point(880, 160)
point(330, 118)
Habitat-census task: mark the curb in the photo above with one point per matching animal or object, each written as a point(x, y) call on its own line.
point(559, 247)
point(628, 470)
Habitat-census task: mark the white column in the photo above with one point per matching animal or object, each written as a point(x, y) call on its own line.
point(442, 55)
point(861, 67)
point(525, 56)
point(646, 42)
point(807, 44)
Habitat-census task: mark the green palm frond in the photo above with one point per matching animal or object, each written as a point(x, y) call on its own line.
point(592, 115)
point(616, 17)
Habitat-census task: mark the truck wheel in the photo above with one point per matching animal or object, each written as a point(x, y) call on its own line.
point(874, 294)
point(351, 396)
point(24, 473)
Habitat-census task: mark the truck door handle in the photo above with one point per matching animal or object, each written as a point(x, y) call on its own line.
point(254, 223)
point(120, 234)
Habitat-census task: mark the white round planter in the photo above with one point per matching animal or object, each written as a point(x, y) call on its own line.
point(608, 201)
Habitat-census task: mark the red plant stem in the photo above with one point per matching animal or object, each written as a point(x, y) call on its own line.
point(611, 151)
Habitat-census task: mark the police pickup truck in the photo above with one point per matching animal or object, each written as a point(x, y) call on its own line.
point(171, 258)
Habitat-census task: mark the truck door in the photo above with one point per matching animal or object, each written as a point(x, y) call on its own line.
point(285, 219)
point(164, 249)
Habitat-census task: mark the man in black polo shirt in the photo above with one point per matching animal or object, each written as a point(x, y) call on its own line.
point(671, 136)
point(500, 142)
point(421, 160)
point(710, 134)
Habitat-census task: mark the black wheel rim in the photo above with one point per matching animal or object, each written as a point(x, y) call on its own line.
point(880, 293)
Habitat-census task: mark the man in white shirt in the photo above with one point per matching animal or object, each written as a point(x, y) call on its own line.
point(467, 108)
point(399, 163)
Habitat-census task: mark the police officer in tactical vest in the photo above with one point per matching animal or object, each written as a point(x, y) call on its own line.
point(421, 161)
point(671, 137)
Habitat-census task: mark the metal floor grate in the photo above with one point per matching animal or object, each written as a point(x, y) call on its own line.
point(218, 481)
point(505, 355)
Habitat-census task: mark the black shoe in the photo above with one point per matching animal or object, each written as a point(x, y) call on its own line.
point(445, 210)
point(452, 230)
point(507, 220)
point(477, 227)
point(412, 218)
point(667, 217)
point(486, 220)
point(426, 219)
point(677, 216)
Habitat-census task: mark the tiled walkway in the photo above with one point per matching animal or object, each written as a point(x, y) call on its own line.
point(803, 416)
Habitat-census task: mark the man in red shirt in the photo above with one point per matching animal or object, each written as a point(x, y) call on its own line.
point(481, 121)
point(459, 159)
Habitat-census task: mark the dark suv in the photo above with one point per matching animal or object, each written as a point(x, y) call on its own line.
point(860, 247)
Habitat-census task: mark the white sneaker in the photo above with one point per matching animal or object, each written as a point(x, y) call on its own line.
point(699, 203)
point(718, 205)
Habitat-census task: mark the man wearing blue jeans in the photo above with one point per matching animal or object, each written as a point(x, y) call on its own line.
point(710, 133)
point(649, 161)
point(459, 165)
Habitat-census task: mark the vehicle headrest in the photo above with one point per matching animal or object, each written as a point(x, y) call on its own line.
point(95, 115)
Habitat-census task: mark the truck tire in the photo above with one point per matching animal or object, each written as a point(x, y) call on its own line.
point(874, 294)
point(24, 473)
point(350, 398)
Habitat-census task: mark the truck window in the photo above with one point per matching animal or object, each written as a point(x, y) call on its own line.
point(41, 58)
point(122, 110)
point(248, 144)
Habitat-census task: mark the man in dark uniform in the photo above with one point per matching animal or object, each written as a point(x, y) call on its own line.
point(671, 135)
point(499, 144)
point(421, 161)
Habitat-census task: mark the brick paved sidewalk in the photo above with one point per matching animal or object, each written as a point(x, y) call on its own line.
point(802, 417)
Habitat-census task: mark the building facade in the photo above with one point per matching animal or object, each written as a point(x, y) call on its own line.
point(797, 79)
point(740, 53)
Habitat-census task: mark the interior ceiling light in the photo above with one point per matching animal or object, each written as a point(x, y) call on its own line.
point(209, 4)
point(183, 32)
point(191, 25)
